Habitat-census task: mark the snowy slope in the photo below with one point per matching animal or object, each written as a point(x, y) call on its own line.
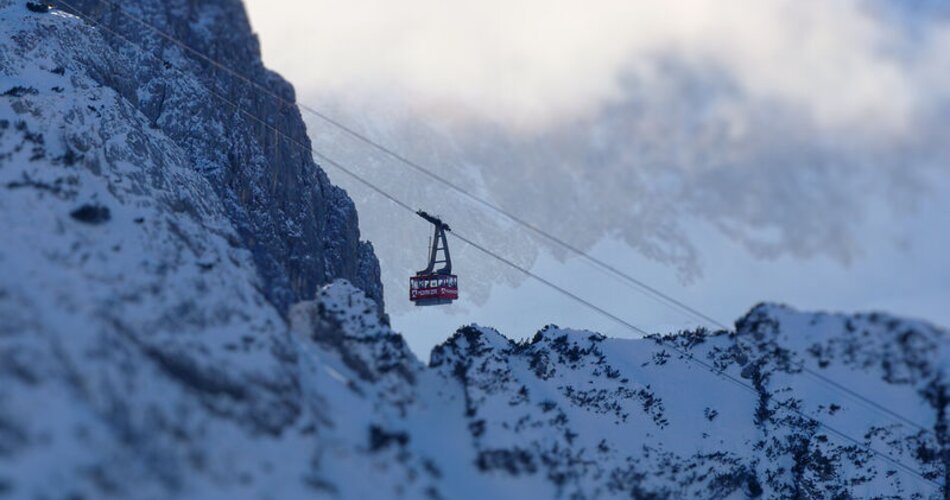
point(141, 335)
point(572, 414)
point(161, 335)
point(596, 415)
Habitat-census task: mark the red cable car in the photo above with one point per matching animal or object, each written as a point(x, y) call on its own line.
point(431, 287)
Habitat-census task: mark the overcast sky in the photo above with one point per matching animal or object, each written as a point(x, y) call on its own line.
point(727, 152)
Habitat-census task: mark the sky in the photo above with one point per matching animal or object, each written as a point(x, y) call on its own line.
point(725, 153)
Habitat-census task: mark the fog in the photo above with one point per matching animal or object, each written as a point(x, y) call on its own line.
point(791, 136)
point(533, 64)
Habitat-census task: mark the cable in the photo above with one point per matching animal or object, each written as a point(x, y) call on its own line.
point(640, 285)
point(488, 252)
point(393, 199)
point(527, 272)
point(866, 400)
point(686, 356)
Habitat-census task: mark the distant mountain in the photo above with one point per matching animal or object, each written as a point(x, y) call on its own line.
point(572, 414)
point(186, 310)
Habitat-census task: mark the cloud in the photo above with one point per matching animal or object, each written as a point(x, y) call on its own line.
point(784, 124)
point(533, 63)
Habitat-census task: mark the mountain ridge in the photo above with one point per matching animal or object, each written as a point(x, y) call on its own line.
point(575, 414)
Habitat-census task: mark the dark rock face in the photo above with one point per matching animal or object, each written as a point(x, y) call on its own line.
point(91, 214)
point(38, 7)
point(302, 231)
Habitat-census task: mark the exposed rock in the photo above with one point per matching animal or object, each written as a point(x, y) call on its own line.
point(91, 214)
point(301, 230)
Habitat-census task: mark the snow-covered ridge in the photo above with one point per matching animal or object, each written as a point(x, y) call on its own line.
point(639, 416)
point(574, 414)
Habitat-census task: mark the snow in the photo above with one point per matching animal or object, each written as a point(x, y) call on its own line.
point(141, 356)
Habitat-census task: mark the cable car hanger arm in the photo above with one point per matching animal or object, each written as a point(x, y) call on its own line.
point(434, 220)
point(439, 243)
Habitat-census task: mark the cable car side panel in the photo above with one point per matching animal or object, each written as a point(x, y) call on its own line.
point(434, 288)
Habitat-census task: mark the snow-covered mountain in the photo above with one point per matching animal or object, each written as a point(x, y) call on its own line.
point(177, 319)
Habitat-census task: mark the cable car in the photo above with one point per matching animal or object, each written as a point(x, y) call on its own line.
point(431, 287)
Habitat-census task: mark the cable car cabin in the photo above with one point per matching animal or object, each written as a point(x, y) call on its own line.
point(431, 287)
point(433, 290)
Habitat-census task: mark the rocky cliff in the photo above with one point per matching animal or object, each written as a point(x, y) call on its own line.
point(301, 230)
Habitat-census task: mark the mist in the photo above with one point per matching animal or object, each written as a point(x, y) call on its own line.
point(531, 65)
point(792, 129)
